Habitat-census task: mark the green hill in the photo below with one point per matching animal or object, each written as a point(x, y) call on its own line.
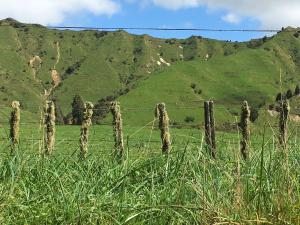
point(38, 63)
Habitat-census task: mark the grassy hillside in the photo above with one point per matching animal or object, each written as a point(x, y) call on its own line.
point(251, 74)
point(38, 63)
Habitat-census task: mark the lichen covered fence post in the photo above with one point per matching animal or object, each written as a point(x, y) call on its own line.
point(162, 115)
point(207, 123)
point(283, 123)
point(244, 127)
point(210, 134)
point(118, 129)
point(84, 134)
point(15, 125)
point(212, 129)
point(49, 127)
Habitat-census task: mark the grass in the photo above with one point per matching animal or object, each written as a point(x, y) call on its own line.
point(186, 187)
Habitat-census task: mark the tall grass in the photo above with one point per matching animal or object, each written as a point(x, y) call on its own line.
point(187, 187)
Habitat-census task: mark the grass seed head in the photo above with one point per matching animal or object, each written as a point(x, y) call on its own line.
point(283, 122)
point(86, 123)
point(162, 115)
point(118, 128)
point(15, 124)
point(244, 127)
point(49, 124)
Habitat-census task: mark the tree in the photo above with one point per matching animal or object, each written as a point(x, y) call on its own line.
point(77, 109)
point(265, 38)
point(102, 108)
point(253, 115)
point(289, 94)
point(279, 97)
point(59, 116)
point(189, 119)
point(297, 90)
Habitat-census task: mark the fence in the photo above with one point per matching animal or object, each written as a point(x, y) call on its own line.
point(47, 126)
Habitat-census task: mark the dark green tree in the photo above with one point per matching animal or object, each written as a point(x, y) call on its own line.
point(254, 115)
point(297, 90)
point(77, 110)
point(59, 116)
point(102, 108)
point(289, 94)
point(279, 97)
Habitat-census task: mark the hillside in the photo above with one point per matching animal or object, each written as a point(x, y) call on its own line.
point(38, 63)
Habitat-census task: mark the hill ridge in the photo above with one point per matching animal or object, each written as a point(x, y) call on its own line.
point(100, 64)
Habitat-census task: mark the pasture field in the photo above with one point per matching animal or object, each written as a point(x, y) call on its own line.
point(185, 187)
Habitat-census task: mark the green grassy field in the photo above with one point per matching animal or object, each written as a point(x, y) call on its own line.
point(185, 187)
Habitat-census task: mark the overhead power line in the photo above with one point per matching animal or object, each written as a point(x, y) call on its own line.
point(164, 29)
point(161, 29)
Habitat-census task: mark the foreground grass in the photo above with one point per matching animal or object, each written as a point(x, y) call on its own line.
point(186, 187)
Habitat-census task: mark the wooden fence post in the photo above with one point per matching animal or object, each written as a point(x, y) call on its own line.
point(86, 123)
point(162, 115)
point(210, 135)
point(15, 124)
point(244, 127)
point(283, 120)
point(212, 129)
point(118, 129)
point(207, 123)
point(49, 126)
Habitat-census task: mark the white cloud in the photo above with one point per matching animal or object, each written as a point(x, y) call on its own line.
point(271, 13)
point(176, 4)
point(51, 12)
point(231, 18)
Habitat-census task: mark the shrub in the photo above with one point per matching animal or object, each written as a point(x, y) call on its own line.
point(271, 107)
point(100, 34)
point(138, 50)
point(77, 109)
point(228, 52)
point(71, 69)
point(193, 85)
point(254, 115)
point(297, 90)
point(265, 38)
point(289, 94)
point(255, 43)
point(189, 119)
point(279, 97)
point(102, 108)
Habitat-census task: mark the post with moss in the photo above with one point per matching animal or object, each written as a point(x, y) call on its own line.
point(118, 129)
point(162, 115)
point(86, 123)
point(15, 124)
point(283, 123)
point(212, 129)
point(244, 127)
point(207, 124)
point(49, 126)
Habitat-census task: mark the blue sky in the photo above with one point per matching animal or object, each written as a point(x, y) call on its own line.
point(220, 14)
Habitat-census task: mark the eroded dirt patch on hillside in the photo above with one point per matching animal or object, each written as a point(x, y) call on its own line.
point(55, 76)
point(35, 63)
point(56, 80)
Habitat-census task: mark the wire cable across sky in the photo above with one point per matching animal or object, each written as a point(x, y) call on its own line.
point(161, 29)
point(164, 29)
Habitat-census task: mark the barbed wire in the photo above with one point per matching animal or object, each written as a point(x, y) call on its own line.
point(132, 141)
point(124, 108)
point(158, 29)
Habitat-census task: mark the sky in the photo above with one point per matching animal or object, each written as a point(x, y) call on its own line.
point(215, 14)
